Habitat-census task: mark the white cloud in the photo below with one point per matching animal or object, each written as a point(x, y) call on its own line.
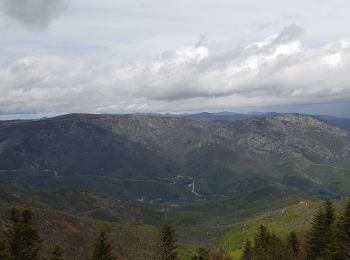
point(278, 70)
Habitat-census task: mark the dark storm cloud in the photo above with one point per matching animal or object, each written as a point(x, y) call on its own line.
point(33, 14)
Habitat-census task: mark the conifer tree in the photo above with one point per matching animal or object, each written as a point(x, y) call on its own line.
point(57, 253)
point(247, 251)
point(261, 242)
point(267, 246)
point(339, 248)
point(293, 244)
point(202, 254)
point(315, 242)
point(275, 248)
point(329, 211)
point(102, 249)
point(166, 248)
point(320, 234)
point(4, 252)
point(22, 238)
point(220, 255)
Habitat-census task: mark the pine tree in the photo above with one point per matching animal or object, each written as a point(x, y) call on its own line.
point(22, 238)
point(275, 248)
point(202, 254)
point(221, 255)
point(166, 249)
point(339, 248)
point(102, 249)
point(329, 218)
point(321, 234)
point(293, 244)
point(315, 242)
point(267, 246)
point(4, 250)
point(57, 253)
point(247, 251)
point(261, 242)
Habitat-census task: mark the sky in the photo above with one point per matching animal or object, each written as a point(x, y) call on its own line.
point(111, 56)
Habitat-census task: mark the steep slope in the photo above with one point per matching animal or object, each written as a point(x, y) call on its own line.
point(133, 156)
point(73, 145)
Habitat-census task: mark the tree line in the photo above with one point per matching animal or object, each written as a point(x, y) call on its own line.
point(328, 239)
point(21, 241)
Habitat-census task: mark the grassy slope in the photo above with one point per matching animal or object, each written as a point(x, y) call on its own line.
point(282, 221)
point(296, 218)
point(210, 219)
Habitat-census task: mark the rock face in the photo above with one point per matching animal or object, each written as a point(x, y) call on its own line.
point(289, 150)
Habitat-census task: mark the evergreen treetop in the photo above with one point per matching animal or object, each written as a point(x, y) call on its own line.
point(57, 253)
point(21, 237)
point(167, 243)
point(102, 249)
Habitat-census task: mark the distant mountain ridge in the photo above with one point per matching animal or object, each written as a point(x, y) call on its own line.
point(208, 116)
point(336, 121)
point(341, 122)
point(136, 156)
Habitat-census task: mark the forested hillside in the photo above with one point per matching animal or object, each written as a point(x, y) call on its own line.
point(131, 156)
point(118, 178)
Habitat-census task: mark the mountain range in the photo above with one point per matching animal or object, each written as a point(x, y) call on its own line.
point(176, 159)
point(342, 122)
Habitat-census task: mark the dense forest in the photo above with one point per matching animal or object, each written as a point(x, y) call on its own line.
point(328, 238)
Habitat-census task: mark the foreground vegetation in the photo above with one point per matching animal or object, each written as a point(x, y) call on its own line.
point(327, 239)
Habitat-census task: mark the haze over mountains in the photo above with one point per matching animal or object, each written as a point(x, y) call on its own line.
point(162, 158)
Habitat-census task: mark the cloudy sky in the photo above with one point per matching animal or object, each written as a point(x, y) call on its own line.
point(112, 56)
